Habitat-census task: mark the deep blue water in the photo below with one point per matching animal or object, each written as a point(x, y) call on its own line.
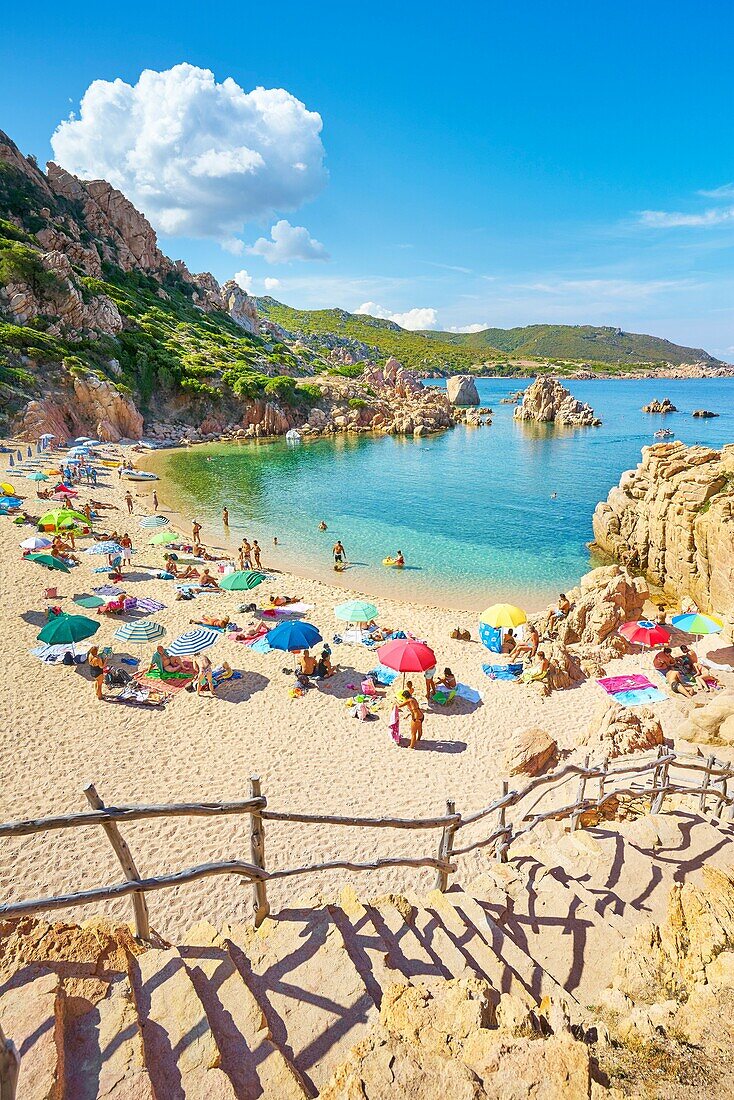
point(471, 509)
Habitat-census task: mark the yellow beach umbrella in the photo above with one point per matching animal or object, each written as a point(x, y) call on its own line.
point(7, 488)
point(503, 615)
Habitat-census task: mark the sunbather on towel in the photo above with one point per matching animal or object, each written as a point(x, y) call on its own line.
point(206, 580)
point(113, 607)
point(283, 601)
point(164, 662)
point(536, 672)
point(529, 646)
point(665, 662)
point(255, 631)
point(447, 681)
point(690, 666)
point(211, 620)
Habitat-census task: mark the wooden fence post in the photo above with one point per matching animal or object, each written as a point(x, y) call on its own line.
point(503, 844)
point(657, 805)
point(580, 797)
point(257, 853)
point(722, 783)
point(602, 782)
point(445, 844)
point(706, 777)
point(140, 905)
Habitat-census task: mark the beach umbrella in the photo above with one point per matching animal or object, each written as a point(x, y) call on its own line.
point(49, 561)
point(356, 611)
point(696, 622)
point(7, 488)
point(82, 439)
point(62, 517)
point(62, 494)
point(108, 548)
point(293, 635)
point(11, 460)
point(68, 629)
point(405, 655)
point(503, 615)
point(154, 521)
point(9, 502)
point(36, 542)
point(89, 602)
point(645, 633)
point(141, 632)
point(164, 537)
point(38, 447)
point(19, 455)
point(29, 452)
point(37, 476)
point(194, 641)
point(48, 435)
point(242, 580)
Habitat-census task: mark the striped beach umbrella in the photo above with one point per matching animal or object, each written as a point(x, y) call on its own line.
point(109, 549)
point(141, 632)
point(193, 641)
point(154, 521)
point(356, 611)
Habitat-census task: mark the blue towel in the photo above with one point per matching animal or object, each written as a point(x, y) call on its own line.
point(490, 637)
point(383, 675)
point(262, 645)
point(503, 672)
point(637, 696)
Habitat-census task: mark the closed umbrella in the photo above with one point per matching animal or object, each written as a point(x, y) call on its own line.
point(293, 635)
point(645, 633)
point(696, 622)
point(501, 616)
point(49, 561)
point(194, 641)
point(29, 452)
point(141, 632)
point(36, 542)
point(19, 455)
point(242, 580)
point(68, 629)
point(356, 611)
point(11, 460)
point(405, 655)
point(154, 521)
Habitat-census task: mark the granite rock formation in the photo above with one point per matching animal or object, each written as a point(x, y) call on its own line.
point(673, 518)
point(546, 401)
point(462, 390)
point(660, 407)
point(617, 731)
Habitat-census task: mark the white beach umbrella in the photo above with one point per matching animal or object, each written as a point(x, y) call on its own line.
point(193, 641)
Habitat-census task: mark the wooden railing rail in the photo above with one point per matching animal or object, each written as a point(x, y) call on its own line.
point(617, 781)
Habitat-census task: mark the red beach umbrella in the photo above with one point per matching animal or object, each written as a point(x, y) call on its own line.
point(404, 655)
point(645, 633)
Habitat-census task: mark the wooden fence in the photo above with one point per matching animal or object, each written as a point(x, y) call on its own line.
point(649, 781)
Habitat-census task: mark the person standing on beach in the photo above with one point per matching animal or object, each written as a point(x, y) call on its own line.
point(96, 663)
point(127, 548)
point(155, 501)
point(129, 501)
point(416, 717)
point(247, 553)
point(340, 554)
point(225, 516)
point(196, 530)
point(256, 553)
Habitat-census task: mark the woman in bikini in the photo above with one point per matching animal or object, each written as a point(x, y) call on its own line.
point(416, 717)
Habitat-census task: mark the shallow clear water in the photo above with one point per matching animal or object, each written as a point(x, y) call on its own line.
point(471, 509)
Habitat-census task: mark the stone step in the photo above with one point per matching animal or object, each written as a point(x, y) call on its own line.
point(255, 1065)
point(446, 936)
point(181, 1053)
point(314, 998)
point(104, 1057)
point(30, 1017)
point(411, 954)
point(534, 979)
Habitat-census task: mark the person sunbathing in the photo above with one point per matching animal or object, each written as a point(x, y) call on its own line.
point(190, 572)
point(556, 614)
point(283, 601)
point(206, 580)
point(447, 681)
point(509, 641)
point(324, 667)
point(529, 646)
point(170, 565)
point(536, 672)
point(690, 667)
point(113, 607)
point(665, 662)
point(254, 631)
point(164, 662)
point(308, 663)
point(211, 620)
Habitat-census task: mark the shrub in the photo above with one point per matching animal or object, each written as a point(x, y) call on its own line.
point(310, 391)
point(357, 403)
point(21, 264)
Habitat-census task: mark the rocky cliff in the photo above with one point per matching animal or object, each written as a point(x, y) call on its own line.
point(548, 402)
point(673, 518)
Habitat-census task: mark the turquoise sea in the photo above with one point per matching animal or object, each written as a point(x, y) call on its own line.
point(471, 509)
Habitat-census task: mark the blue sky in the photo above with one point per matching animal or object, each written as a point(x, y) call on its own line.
point(486, 164)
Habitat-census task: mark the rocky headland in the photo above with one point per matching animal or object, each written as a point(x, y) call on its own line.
point(673, 519)
point(546, 401)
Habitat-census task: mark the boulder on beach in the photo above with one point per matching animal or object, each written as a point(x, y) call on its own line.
point(530, 752)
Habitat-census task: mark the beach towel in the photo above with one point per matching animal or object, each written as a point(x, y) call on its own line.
point(299, 608)
point(503, 672)
point(631, 691)
point(107, 589)
point(149, 606)
point(383, 675)
point(261, 632)
point(713, 665)
point(469, 694)
point(167, 682)
point(54, 654)
point(261, 646)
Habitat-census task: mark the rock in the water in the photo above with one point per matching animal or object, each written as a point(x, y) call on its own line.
point(530, 752)
point(617, 730)
point(705, 414)
point(547, 401)
point(462, 390)
point(673, 518)
point(664, 406)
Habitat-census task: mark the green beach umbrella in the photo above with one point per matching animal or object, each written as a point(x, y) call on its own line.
point(163, 537)
point(62, 517)
point(141, 632)
point(68, 629)
point(49, 561)
point(38, 476)
point(356, 611)
point(242, 580)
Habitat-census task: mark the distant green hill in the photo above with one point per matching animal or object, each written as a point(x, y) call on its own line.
point(563, 345)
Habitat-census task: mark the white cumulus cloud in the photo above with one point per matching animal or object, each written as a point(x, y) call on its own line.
point(271, 284)
point(288, 242)
point(243, 280)
point(412, 319)
point(468, 328)
point(198, 157)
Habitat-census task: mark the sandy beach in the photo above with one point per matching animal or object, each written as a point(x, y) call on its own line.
point(309, 752)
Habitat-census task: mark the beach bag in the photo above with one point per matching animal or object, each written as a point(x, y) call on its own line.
point(361, 711)
point(117, 677)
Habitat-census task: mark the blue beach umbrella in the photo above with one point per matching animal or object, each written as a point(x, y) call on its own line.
point(293, 635)
point(154, 521)
point(11, 460)
point(141, 632)
point(193, 641)
point(37, 476)
point(9, 502)
point(109, 549)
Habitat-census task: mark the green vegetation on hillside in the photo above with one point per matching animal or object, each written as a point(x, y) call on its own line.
point(564, 346)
